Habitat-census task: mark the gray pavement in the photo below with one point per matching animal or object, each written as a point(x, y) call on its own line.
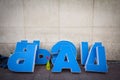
point(41, 73)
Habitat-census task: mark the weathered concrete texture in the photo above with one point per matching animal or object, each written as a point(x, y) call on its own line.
point(53, 20)
point(41, 73)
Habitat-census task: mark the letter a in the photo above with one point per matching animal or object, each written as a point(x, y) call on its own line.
point(70, 63)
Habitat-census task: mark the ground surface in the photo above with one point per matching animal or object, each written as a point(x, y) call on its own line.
point(41, 73)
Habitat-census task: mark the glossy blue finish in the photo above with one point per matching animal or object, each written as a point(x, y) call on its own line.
point(92, 53)
point(23, 58)
point(23, 61)
point(57, 48)
point(70, 63)
point(43, 59)
point(96, 61)
point(84, 52)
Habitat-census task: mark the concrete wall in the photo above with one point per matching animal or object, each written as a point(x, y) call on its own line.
point(52, 20)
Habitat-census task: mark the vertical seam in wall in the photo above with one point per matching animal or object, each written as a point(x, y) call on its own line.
point(24, 19)
point(92, 20)
point(59, 19)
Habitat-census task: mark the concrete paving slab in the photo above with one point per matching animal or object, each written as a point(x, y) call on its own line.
point(41, 73)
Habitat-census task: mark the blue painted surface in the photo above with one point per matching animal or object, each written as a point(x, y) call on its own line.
point(71, 63)
point(43, 60)
point(26, 55)
point(23, 58)
point(54, 56)
point(23, 61)
point(97, 53)
point(101, 58)
point(84, 52)
point(57, 48)
point(92, 53)
point(21, 46)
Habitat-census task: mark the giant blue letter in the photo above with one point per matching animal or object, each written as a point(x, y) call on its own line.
point(23, 59)
point(66, 51)
point(96, 61)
